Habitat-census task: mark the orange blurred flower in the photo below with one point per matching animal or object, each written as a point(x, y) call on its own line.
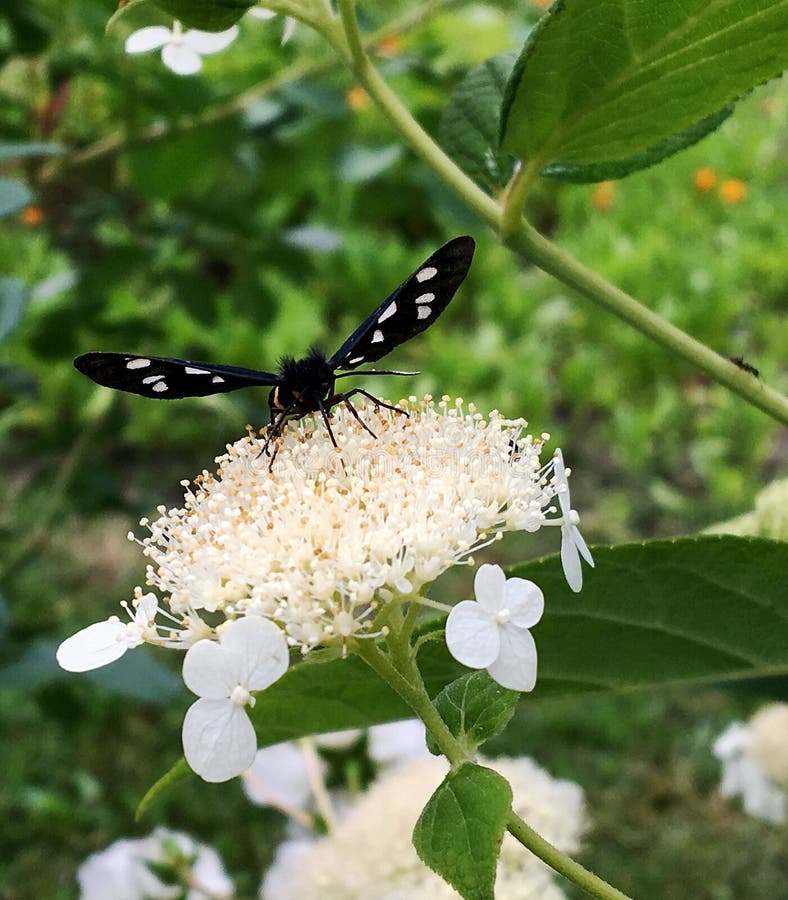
point(357, 98)
point(541, 4)
point(604, 194)
point(32, 216)
point(705, 179)
point(733, 190)
point(390, 46)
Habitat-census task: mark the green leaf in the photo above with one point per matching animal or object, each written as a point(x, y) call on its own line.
point(207, 15)
point(14, 297)
point(687, 610)
point(475, 708)
point(690, 610)
point(27, 149)
point(15, 195)
point(459, 832)
point(584, 174)
point(470, 123)
point(626, 82)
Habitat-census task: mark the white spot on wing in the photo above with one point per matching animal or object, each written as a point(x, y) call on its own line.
point(159, 387)
point(137, 363)
point(356, 359)
point(425, 298)
point(152, 379)
point(424, 312)
point(387, 312)
point(190, 370)
point(377, 337)
point(217, 379)
point(426, 274)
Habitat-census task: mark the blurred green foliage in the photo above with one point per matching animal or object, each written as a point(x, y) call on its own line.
point(269, 229)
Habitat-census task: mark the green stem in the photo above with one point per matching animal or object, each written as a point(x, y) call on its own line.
point(552, 259)
point(592, 884)
point(507, 221)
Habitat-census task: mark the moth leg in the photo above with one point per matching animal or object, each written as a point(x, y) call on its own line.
point(357, 417)
point(376, 400)
point(324, 414)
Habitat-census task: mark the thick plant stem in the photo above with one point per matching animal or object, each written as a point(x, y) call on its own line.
point(507, 221)
point(529, 243)
point(399, 670)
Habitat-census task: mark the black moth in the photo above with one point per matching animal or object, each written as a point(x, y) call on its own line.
point(306, 385)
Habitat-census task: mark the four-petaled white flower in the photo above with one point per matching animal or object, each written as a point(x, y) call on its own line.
point(571, 539)
point(492, 633)
point(258, 12)
point(218, 738)
point(104, 642)
point(181, 51)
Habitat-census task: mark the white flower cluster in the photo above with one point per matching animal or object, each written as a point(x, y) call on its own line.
point(123, 870)
point(754, 760)
point(369, 852)
point(317, 543)
point(302, 553)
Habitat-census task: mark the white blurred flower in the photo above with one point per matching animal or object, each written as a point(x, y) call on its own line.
point(492, 633)
point(743, 774)
point(370, 854)
point(181, 51)
point(768, 741)
point(280, 777)
point(338, 740)
point(258, 12)
point(572, 544)
point(218, 739)
point(397, 742)
point(122, 871)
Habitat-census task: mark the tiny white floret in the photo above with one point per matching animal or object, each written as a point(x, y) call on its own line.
point(492, 633)
point(218, 738)
point(258, 12)
point(572, 544)
point(104, 642)
point(181, 51)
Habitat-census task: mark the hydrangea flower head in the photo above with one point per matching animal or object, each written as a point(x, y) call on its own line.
point(318, 543)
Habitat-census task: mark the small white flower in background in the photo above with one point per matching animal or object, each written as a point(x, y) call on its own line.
point(492, 633)
point(280, 777)
point(251, 654)
point(572, 544)
point(181, 51)
point(755, 763)
point(397, 742)
point(257, 12)
point(123, 870)
point(369, 853)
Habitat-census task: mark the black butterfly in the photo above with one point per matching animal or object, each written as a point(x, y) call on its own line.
point(306, 385)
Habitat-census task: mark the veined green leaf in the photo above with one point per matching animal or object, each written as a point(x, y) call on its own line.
point(459, 832)
point(617, 81)
point(689, 610)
